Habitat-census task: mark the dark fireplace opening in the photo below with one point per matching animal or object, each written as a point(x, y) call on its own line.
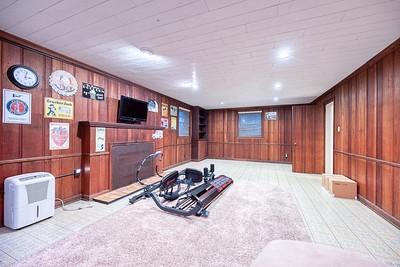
point(125, 158)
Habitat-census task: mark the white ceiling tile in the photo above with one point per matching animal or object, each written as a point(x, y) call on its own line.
point(238, 9)
point(22, 10)
point(153, 22)
point(87, 17)
point(232, 44)
point(68, 8)
point(213, 4)
point(150, 9)
point(6, 3)
point(35, 23)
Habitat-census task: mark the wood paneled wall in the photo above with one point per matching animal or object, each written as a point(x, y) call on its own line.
point(25, 148)
point(367, 147)
point(275, 145)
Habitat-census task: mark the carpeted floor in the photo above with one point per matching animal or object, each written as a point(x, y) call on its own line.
point(240, 224)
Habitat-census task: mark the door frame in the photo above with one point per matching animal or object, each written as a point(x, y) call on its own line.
point(326, 102)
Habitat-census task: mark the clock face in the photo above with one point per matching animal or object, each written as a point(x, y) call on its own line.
point(23, 77)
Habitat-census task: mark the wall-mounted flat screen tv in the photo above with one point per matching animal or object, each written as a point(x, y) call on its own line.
point(131, 110)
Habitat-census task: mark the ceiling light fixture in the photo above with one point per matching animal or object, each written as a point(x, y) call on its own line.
point(277, 85)
point(276, 99)
point(190, 84)
point(146, 51)
point(283, 53)
point(186, 84)
point(221, 103)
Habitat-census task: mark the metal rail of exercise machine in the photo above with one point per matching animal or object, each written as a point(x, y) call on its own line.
point(188, 201)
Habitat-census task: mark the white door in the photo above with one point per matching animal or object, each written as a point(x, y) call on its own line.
point(329, 111)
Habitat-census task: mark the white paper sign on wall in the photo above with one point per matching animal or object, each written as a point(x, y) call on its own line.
point(271, 116)
point(16, 107)
point(100, 139)
point(58, 135)
point(158, 134)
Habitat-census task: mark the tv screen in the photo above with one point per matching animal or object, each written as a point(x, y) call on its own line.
point(132, 110)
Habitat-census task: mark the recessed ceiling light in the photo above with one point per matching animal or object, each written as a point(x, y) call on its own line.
point(276, 99)
point(277, 85)
point(221, 103)
point(283, 53)
point(186, 84)
point(190, 84)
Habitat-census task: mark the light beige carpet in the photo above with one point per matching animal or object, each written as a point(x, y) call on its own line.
point(240, 225)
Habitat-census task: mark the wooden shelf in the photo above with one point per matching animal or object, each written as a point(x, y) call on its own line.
point(199, 133)
point(117, 125)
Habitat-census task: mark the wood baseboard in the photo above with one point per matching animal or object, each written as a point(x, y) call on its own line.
point(198, 160)
point(252, 160)
point(176, 165)
point(90, 197)
point(379, 211)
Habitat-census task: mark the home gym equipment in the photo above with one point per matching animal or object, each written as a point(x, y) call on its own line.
point(187, 201)
point(153, 156)
point(203, 196)
point(170, 186)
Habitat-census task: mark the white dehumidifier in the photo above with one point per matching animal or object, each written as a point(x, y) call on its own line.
point(28, 198)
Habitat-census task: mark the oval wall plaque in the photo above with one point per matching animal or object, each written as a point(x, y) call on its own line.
point(63, 83)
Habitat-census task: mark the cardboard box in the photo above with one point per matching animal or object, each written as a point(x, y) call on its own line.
point(327, 177)
point(335, 178)
point(325, 181)
point(343, 188)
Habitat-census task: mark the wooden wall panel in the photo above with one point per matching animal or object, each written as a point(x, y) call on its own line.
point(275, 144)
point(367, 147)
point(25, 148)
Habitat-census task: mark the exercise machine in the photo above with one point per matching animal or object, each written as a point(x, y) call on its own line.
point(203, 195)
point(185, 201)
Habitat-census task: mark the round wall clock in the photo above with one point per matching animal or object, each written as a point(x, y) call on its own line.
point(63, 83)
point(23, 76)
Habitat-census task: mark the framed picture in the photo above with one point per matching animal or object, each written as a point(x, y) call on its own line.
point(173, 110)
point(58, 135)
point(173, 123)
point(58, 109)
point(16, 107)
point(164, 110)
point(184, 122)
point(271, 116)
point(152, 106)
point(164, 123)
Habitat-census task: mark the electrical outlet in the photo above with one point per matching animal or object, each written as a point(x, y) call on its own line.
point(77, 172)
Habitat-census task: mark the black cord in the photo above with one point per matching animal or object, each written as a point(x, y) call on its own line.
point(158, 174)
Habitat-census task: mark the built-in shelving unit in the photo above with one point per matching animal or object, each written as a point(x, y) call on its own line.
point(199, 133)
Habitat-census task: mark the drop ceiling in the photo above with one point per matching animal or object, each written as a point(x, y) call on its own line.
point(214, 53)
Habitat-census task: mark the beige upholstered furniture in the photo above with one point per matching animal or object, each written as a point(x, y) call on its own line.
point(283, 253)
